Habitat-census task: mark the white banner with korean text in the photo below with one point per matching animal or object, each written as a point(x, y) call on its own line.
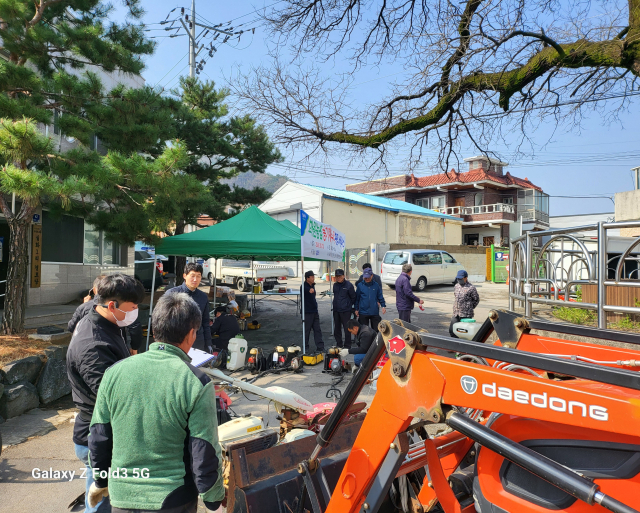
point(321, 241)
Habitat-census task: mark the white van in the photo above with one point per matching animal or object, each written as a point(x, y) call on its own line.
point(430, 267)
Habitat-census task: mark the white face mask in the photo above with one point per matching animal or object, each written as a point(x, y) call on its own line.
point(129, 317)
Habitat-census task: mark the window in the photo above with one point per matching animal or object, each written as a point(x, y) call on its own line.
point(396, 258)
point(420, 258)
point(62, 238)
point(478, 199)
point(448, 259)
point(507, 201)
point(97, 249)
point(437, 202)
point(434, 258)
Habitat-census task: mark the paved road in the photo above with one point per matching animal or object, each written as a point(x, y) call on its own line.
point(51, 447)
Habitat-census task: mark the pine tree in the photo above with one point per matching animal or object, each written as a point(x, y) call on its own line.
point(55, 48)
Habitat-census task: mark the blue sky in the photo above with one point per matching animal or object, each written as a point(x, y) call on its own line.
point(593, 162)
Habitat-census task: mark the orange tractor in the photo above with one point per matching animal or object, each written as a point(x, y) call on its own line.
point(529, 424)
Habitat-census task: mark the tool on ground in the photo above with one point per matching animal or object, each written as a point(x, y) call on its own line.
point(237, 353)
point(313, 358)
point(333, 363)
point(466, 328)
point(257, 361)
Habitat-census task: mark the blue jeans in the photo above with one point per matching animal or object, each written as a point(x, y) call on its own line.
point(104, 506)
point(357, 358)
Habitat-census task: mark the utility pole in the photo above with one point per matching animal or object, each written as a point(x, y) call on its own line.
point(194, 48)
point(192, 41)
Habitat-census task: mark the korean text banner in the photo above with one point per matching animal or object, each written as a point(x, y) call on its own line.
point(321, 241)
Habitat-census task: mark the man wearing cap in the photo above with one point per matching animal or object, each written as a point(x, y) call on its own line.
point(376, 277)
point(344, 295)
point(368, 296)
point(466, 298)
point(311, 317)
point(405, 298)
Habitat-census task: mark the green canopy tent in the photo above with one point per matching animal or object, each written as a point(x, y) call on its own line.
point(249, 235)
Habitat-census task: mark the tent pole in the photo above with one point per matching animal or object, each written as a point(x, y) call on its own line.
point(254, 280)
point(215, 282)
point(302, 303)
point(153, 288)
point(331, 297)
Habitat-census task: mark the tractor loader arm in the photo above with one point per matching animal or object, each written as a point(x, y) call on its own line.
point(419, 386)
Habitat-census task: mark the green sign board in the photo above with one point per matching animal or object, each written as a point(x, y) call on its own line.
point(499, 264)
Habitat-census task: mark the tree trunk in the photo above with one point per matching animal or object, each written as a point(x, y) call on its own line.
point(15, 300)
point(180, 261)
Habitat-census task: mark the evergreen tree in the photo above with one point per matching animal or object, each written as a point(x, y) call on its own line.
point(55, 49)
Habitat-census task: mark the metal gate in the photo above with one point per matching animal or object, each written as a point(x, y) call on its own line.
point(355, 258)
point(551, 267)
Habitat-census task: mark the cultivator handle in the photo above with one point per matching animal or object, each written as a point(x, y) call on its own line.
point(543, 467)
point(351, 393)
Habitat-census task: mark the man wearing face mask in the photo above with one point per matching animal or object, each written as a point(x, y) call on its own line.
point(466, 299)
point(97, 343)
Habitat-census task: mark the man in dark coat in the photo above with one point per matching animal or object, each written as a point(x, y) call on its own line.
point(405, 298)
point(364, 337)
point(225, 326)
point(344, 296)
point(311, 316)
point(97, 343)
point(192, 278)
point(133, 331)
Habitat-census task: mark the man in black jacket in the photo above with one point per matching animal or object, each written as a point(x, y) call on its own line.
point(364, 337)
point(311, 316)
point(343, 297)
point(192, 278)
point(134, 331)
point(225, 326)
point(98, 342)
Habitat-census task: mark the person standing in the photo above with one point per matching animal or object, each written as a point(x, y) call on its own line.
point(311, 316)
point(466, 299)
point(368, 297)
point(376, 277)
point(225, 326)
point(192, 278)
point(155, 415)
point(89, 301)
point(344, 295)
point(133, 331)
point(405, 298)
point(97, 343)
point(364, 337)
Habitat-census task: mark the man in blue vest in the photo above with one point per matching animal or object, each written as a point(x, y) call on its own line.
point(368, 296)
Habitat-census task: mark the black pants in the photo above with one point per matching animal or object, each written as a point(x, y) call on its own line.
point(370, 320)
point(192, 507)
point(312, 320)
point(454, 319)
point(405, 315)
point(340, 320)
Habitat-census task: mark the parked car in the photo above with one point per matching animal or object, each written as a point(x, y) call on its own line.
point(143, 270)
point(430, 267)
point(239, 274)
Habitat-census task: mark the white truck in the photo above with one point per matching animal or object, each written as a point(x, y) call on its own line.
point(239, 273)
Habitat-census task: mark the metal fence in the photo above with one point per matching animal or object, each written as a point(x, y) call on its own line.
point(550, 267)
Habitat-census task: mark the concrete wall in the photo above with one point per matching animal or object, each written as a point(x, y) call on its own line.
point(628, 209)
point(63, 283)
point(363, 226)
point(474, 259)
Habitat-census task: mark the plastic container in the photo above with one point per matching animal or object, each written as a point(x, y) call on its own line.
point(237, 353)
point(466, 328)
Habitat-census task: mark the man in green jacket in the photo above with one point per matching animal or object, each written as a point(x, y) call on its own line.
point(153, 438)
